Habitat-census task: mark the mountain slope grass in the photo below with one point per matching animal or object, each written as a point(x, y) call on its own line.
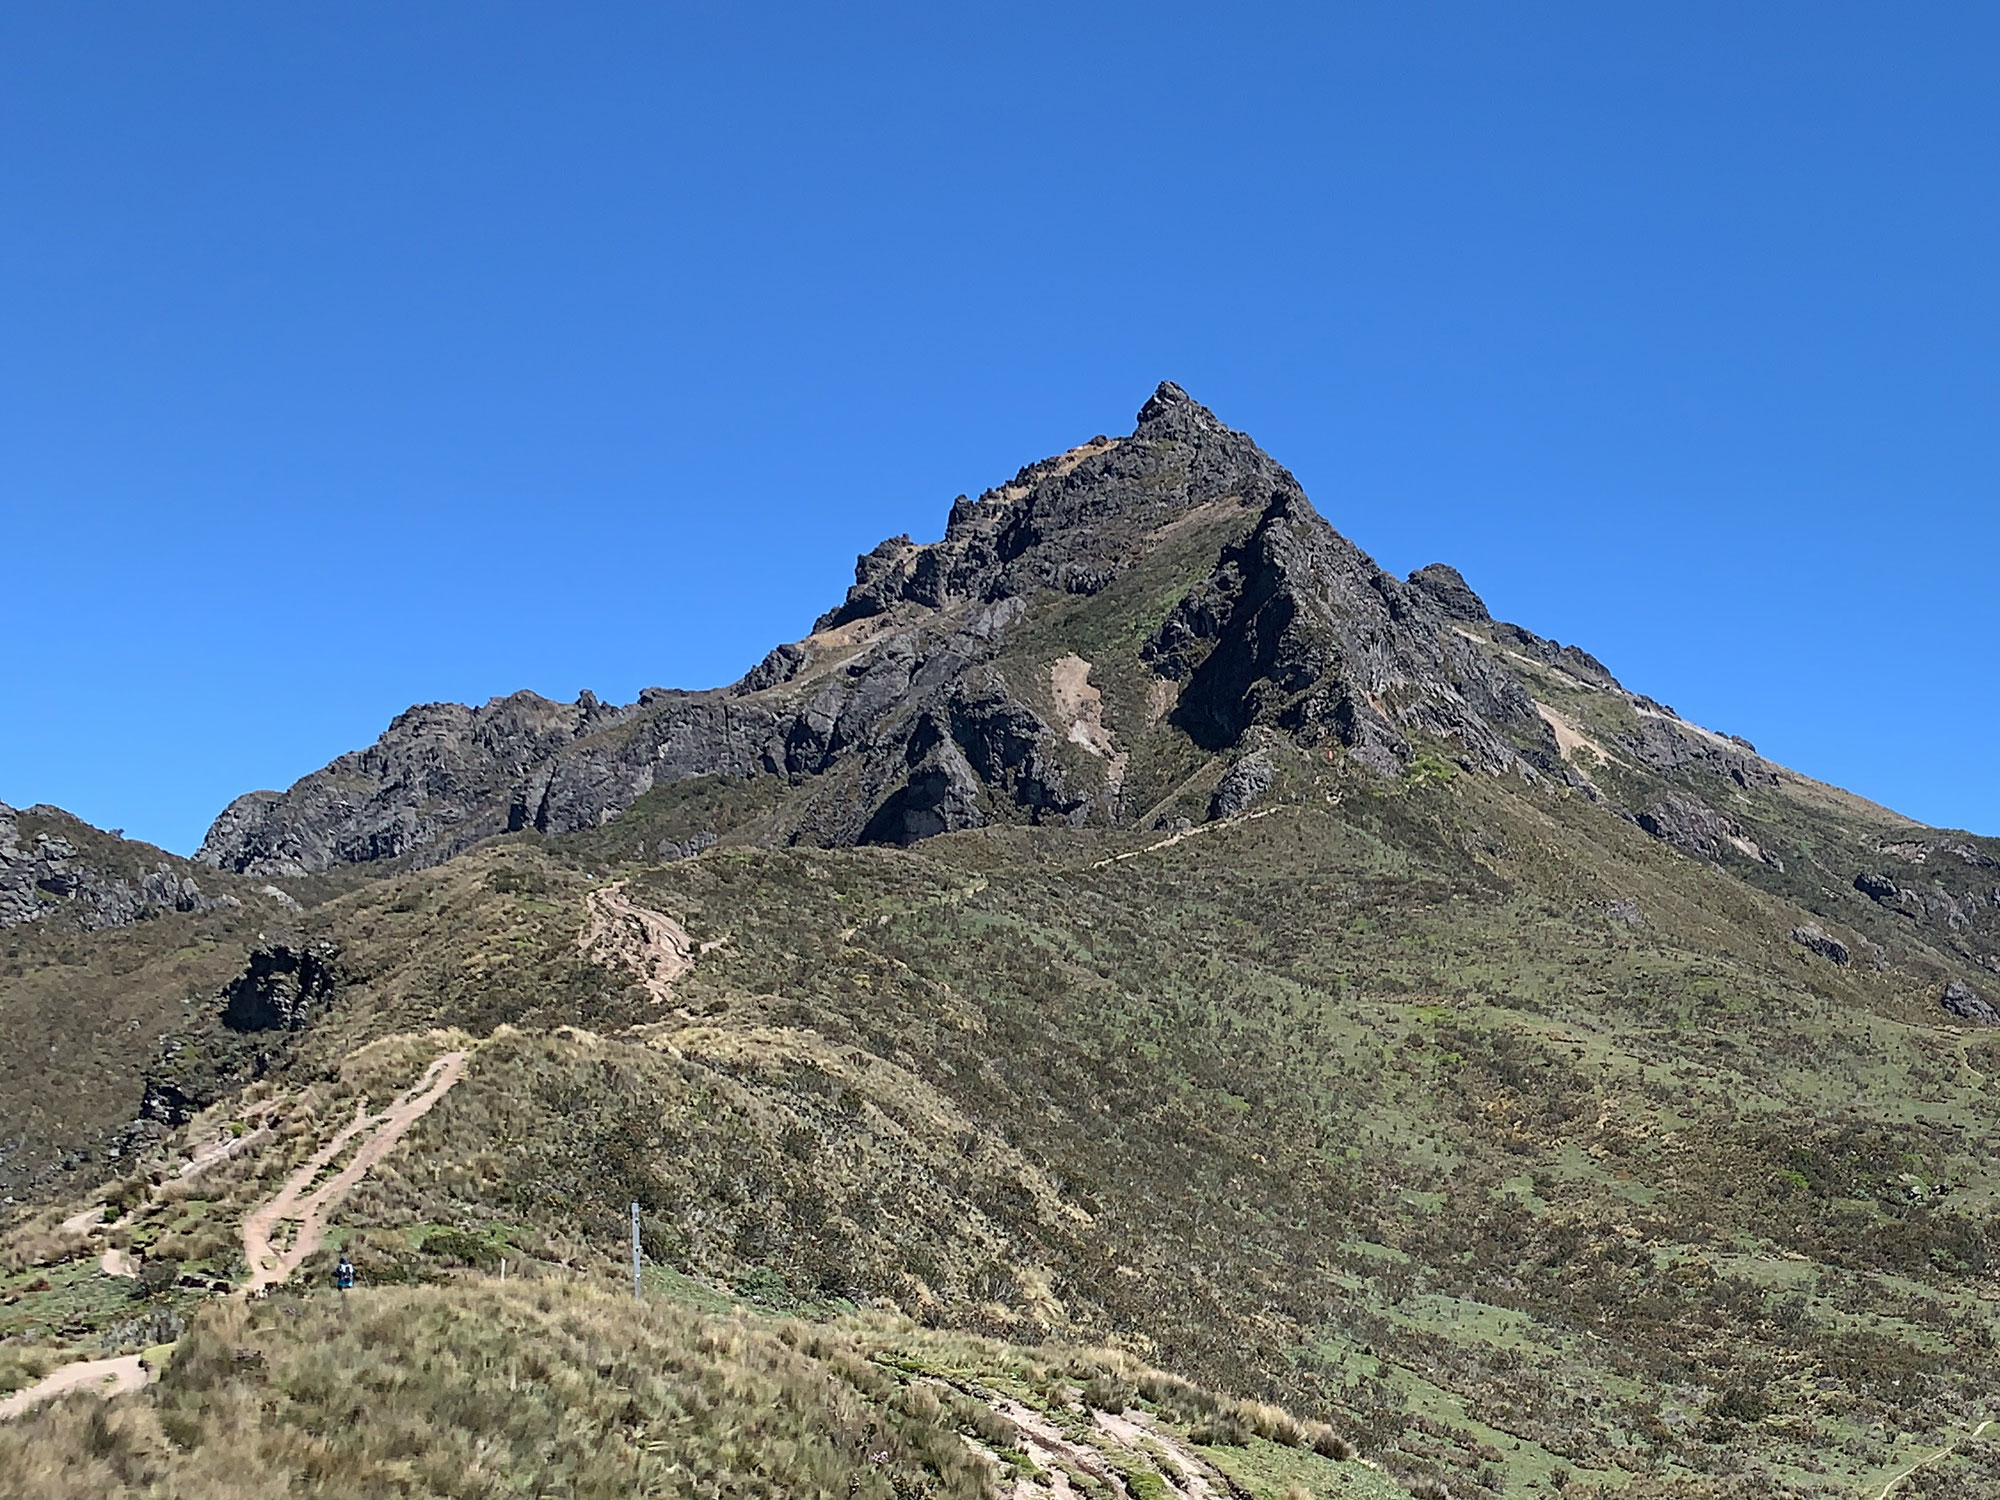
point(1527, 1151)
point(479, 1388)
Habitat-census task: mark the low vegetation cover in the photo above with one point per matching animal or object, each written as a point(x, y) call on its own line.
point(479, 1388)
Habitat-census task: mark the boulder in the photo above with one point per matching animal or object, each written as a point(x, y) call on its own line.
point(1815, 939)
point(1968, 1004)
point(1876, 887)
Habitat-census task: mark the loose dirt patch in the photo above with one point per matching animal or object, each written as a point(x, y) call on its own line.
point(651, 945)
point(1081, 709)
point(106, 1377)
point(1570, 739)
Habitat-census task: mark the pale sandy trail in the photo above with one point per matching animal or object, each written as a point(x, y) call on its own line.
point(222, 1150)
point(80, 1223)
point(1933, 1458)
point(299, 1200)
point(107, 1377)
point(1186, 833)
point(1133, 1432)
point(651, 944)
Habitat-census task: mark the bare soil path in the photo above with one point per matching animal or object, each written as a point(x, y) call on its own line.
point(299, 1201)
point(221, 1149)
point(651, 944)
point(84, 1220)
point(1186, 833)
point(107, 1377)
point(1926, 1462)
point(1131, 1429)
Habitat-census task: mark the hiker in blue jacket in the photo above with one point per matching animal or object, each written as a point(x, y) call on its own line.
point(343, 1274)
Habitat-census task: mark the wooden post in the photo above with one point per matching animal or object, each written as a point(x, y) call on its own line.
point(636, 1294)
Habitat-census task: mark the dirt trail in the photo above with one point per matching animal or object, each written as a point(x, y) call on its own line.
point(651, 944)
point(1924, 1463)
point(1050, 1450)
point(84, 1220)
point(222, 1149)
point(107, 1377)
point(1186, 833)
point(1131, 1430)
point(298, 1200)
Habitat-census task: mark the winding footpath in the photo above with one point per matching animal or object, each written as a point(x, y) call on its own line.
point(1944, 1452)
point(299, 1201)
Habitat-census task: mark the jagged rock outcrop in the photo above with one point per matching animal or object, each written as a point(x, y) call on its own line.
point(1877, 888)
point(1816, 939)
point(1948, 889)
point(1446, 587)
point(441, 777)
point(281, 988)
point(45, 874)
point(1968, 1004)
point(1691, 825)
point(1664, 743)
point(1243, 784)
point(1299, 630)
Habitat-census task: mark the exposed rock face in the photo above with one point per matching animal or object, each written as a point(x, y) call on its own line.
point(439, 779)
point(1246, 781)
point(1664, 743)
point(45, 874)
point(281, 989)
point(1815, 939)
point(1688, 824)
point(169, 1103)
point(1968, 1004)
point(1446, 587)
point(1950, 889)
point(1298, 630)
point(1692, 825)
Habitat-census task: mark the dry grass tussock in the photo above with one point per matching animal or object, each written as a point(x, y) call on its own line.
point(484, 1390)
point(551, 1387)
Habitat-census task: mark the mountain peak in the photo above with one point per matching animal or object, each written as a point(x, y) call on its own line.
point(1172, 412)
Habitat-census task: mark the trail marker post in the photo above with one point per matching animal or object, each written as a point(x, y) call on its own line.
point(636, 1294)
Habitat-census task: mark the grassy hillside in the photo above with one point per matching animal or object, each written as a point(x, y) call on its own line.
point(86, 1008)
point(481, 1388)
point(1529, 1152)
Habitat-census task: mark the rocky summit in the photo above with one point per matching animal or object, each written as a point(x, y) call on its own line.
point(921, 703)
point(1139, 1001)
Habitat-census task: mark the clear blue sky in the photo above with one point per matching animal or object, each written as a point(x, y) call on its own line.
point(355, 355)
